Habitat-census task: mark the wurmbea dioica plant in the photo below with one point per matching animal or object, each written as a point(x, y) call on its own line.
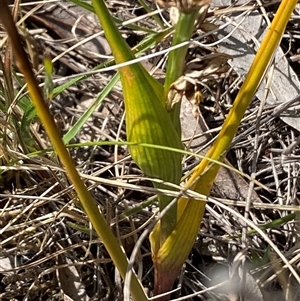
point(149, 122)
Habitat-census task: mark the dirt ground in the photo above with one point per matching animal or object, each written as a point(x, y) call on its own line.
point(48, 250)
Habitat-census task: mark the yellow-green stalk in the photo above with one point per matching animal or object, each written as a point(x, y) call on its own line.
point(98, 221)
point(169, 258)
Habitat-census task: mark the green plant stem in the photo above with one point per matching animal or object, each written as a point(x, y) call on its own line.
point(98, 221)
point(176, 61)
point(148, 10)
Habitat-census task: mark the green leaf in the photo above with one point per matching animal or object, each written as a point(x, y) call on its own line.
point(146, 43)
point(147, 121)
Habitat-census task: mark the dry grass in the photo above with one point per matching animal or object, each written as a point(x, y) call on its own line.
point(45, 256)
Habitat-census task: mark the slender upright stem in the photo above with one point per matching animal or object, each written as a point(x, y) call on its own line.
point(176, 62)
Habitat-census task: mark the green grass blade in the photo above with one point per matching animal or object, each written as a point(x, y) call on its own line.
point(81, 121)
point(271, 225)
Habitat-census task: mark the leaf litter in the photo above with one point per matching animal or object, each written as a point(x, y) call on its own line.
point(40, 249)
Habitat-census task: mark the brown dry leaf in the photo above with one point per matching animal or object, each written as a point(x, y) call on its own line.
point(73, 24)
point(211, 65)
point(5, 265)
point(200, 70)
point(70, 282)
